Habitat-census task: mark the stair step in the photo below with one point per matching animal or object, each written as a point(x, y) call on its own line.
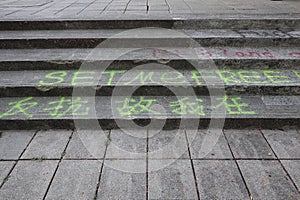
point(150, 81)
point(40, 59)
point(242, 111)
point(179, 22)
point(92, 38)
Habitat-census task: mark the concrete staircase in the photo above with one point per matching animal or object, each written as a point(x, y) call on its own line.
point(252, 64)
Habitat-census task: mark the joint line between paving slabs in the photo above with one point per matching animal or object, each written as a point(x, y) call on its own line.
point(106, 6)
point(56, 169)
point(14, 11)
point(192, 164)
point(42, 9)
point(86, 7)
point(147, 6)
point(66, 7)
point(188, 5)
point(101, 168)
point(126, 6)
point(16, 162)
point(147, 165)
point(279, 160)
point(238, 167)
point(169, 8)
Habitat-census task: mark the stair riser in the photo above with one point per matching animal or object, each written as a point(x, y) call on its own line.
point(283, 24)
point(171, 124)
point(126, 65)
point(92, 43)
point(151, 90)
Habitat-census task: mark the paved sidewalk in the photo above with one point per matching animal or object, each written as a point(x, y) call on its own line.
point(54, 164)
point(97, 9)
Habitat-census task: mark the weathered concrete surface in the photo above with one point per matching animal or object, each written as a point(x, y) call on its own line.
point(217, 176)
point(167, 145)
point(87, 144)
point(173, 181)
point(219, 180)
point(75, 180)
point(91, 38)
point(267, 180)
point(29, 179)
point(204, 144)
point(89, 9)
point(5, 167)
point(250, 107)
point(292, 167)
point(13, 143)
point(248, 144)
point(211, 53)
point(47, 144)
point(153, 81)
point(259, 111)
point(130, 144)
point(115, 184)
point(285, 143)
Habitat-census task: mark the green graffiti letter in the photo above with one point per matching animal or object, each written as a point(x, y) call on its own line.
point(141, 78)
point(65, 106)
point(250, 76)
point(196, 76)
point(228, 76)
point(185, 106)
point(274, 76)
point(132, 106)
point(297, 73)
point(204, 75)
point(112, 74)
point(76, 76)
point(57, 76)
point(174, 77)
point(233, 106)
point(20, 107)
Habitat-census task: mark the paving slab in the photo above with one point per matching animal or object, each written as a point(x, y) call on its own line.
point(248, 144)
point(167, 145)
point(29, 180)
point(293, 169)
point(267, 180)
point(219, 179)
point(75, 180)
point(86, 144)
point(127, 144)
point(208, 144)
point(5, 167)
point(171, 180)
point(118, 184)
point(285, 143)
point(13, 143)
point(47, 144)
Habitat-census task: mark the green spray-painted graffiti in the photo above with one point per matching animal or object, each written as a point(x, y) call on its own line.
point(21, 107)
point(131, 106)
point(183, 106)
point(64, 106)
point(111, 77)
point(60, 107)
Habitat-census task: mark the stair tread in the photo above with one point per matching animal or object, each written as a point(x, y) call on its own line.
point(232, 53)
point(250, 107)
point(151, 77)
point(151, 33)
